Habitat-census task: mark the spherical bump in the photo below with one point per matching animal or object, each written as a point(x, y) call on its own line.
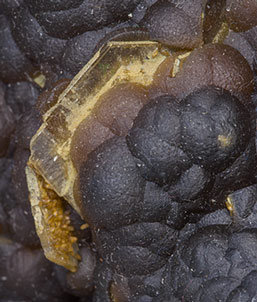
point(239, 294)
point(156, 203)
point(87, 137)
point(148, 244)
point(239, 174)
point(86, 16)
point(200, 253)
point(110, 185)
point(27, 273)
point(247, 290)
point(73, 21)
point(22, 224)
point(245, 242)
point(28, 126)
point(243, 42)
point(80, 283)
point(21, 96)
point(241, 15)
point(215, 128)
point(218, 217)
point(200, 257)
point(178, 27)
point(32, 39)
point(213, 64)
point(154, 140)
point(119, 106)
point(244, 201)
point(79, 50)
point(214, 262)
point(219, 288)
point(14, 66)
point(193, 183)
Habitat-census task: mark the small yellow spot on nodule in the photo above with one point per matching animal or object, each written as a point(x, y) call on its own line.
point(221, 34)
point(225, 141)
point(39, 79)
point(230, 206)
point(178, 63)
point(84, 226)
point(155, 53)
point(73, 239)
point(164, 51)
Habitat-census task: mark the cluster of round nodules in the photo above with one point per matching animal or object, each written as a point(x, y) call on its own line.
point(214, 260)
point(209, 128)
point(58, 38)
point(180, 146)
point(139, 191)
